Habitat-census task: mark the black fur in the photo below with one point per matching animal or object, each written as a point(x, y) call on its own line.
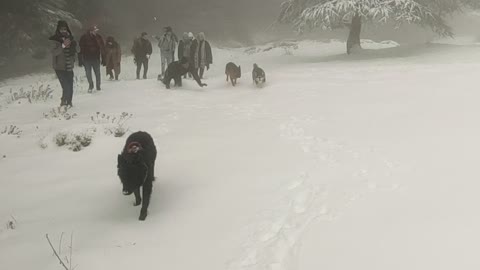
point(258, 75)
point(136, 166)
point(233, 72)
point(179, 68)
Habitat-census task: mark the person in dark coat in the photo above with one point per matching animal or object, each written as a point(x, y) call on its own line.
point(142, 49)
point(113, 57)
point(92, 54)
point(179, 68)
point(64, 51)
point(184, 49)
point(201, 54)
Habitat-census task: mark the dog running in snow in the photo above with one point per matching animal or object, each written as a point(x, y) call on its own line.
point(233, 72)
point(136, 166)
point(258, 75)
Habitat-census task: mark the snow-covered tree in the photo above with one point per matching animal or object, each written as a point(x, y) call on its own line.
point(331, 14)
point(25, 25)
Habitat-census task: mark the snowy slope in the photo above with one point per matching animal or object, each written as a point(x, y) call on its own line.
point(339, 162)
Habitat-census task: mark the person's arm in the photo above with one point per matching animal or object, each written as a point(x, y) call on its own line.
point(101, 44)
point(209, 53)
point(81, 43)
point(194, 73)
point(73, 50)
point(149, 49)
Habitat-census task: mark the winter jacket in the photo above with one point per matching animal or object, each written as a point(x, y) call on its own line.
point(196, 44)
point(113, 54)
point(141, 48)
point(92, 47)
point(167, 45)
point(184, 48)
point(63, 58)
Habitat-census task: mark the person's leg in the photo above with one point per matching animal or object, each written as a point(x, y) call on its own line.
point(145, 68)
point(117, 70)
point(164, 62)
point(61, 79)
point(88, 71)
point(98, 76)
point(109, 71)
point(69, 98)
point(202, 70)
point(169, 60)
point(139, 67)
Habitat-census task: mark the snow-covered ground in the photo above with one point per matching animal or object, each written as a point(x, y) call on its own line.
point(340, 162)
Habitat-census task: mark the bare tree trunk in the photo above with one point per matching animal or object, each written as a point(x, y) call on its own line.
point(354, 35)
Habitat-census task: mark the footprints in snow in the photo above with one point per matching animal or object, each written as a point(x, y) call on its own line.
point(348, 174)
point(276, 243)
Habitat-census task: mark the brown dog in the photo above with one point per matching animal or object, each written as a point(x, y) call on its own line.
point(234, 72)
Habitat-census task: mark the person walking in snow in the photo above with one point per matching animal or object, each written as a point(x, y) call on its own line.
point(184, 48)
point(142, 49)
point(167, 45)
point(113, 57)
point(201, 54)
point(64, 51)
point(92, 54)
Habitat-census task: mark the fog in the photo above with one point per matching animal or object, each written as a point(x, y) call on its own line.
point(226, 23)
point(244, 23)
point(222, 20)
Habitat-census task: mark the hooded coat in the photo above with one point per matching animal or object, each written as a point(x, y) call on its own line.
point(113, 55)
point(63, 58)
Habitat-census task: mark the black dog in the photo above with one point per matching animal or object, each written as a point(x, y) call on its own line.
point(179, 68)
point(233, 72)
point(136, 166)
point(258, 75)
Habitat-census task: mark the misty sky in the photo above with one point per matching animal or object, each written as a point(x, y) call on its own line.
point(219, 19)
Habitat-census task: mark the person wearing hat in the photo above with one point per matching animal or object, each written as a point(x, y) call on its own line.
point(201, 54)
point(142, 49)
point(167, 44)
point(92, 54)
point(113, 58)
point(63, 59)
point(184, 49)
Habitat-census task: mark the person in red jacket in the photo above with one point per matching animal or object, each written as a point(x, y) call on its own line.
point(92, 54)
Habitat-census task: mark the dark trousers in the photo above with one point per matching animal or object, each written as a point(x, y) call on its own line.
point(66, 81)
point(95, 65)
point(140, 62)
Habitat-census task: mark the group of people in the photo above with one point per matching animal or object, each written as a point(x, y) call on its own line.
point(194, 56)
point(94, 51)
point(195, 50)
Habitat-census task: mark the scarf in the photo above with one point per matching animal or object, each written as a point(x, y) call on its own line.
point(201, 55)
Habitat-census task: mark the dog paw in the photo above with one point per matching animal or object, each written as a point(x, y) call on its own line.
point(143, 215)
